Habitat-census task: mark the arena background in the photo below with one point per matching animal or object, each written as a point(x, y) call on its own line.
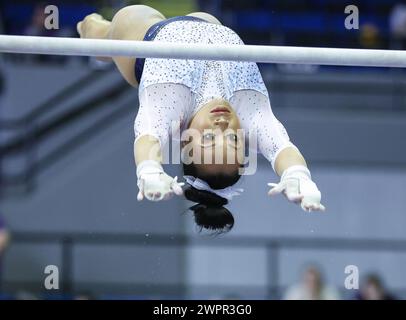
point(68, 183)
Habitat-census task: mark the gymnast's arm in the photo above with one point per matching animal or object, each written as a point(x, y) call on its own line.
point(4, 240)
point(274, 143)
point(153, 119)
point(162, 108)
point(288, 157)
point(147, 147)
point(296, 182)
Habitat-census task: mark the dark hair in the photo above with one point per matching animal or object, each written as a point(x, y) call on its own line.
point(218, 181)
point(209, 211)
point(374, 279)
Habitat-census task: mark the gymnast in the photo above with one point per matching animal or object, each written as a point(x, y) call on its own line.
point(215, 100)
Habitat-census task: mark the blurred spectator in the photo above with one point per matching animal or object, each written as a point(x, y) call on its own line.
point(397, 25)
point(37, 25)
point(4, 239)
point(2, 89)
point(2, 80)
point(373, 289)
point(370, 37)
point(25, 295)
point(84, 296)
point(37, 28)
point(312, 287)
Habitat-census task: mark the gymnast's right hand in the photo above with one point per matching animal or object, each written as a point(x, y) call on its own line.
point(154, 184)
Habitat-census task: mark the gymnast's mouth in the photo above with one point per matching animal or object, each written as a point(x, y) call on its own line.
point(220, 110)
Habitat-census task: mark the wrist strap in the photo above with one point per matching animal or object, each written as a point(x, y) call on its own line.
point(149, 166)
point(296, 170)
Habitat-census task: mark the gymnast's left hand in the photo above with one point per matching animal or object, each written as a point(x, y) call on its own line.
point(154, 184)
point(296, 184)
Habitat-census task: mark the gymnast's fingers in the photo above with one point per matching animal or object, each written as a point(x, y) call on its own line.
point(308, 207)
point(177, 187)
point(277, 188)
point(154, 196)
point(158, 196)
point(140, 195)
point(167, 196)
point(305, 207)
point(318, 207)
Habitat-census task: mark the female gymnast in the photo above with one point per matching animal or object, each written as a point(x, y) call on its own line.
point(215, 101)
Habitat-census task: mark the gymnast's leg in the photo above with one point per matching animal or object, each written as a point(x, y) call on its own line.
point(129, 23)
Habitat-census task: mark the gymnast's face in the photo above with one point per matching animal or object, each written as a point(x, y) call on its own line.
point(215, 140)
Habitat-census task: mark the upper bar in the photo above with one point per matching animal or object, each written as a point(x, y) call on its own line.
point(155, 49)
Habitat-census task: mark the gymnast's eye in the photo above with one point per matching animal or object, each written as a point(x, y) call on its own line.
point(232, 139)
point(208, 138)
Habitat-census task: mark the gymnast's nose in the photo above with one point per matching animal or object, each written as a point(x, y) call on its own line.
point(221, 123)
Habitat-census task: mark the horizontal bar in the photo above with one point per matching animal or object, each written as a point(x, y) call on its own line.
point(155, 49)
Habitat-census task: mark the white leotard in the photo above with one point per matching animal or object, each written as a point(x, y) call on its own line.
point(174, 90)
